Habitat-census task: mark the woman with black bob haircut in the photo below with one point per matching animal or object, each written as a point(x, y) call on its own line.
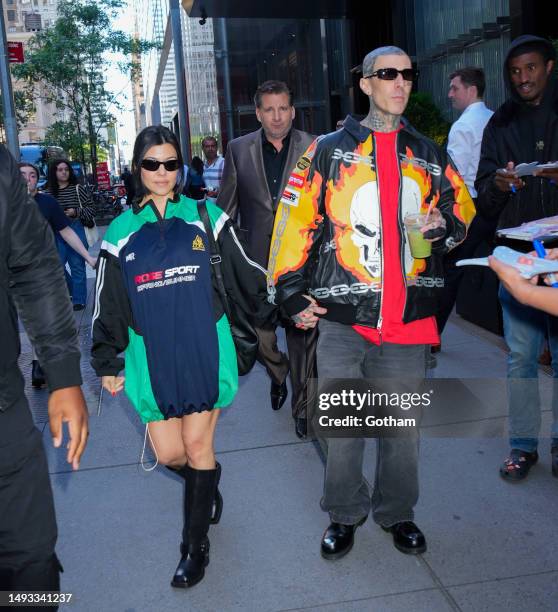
point(75, 200)
point(151, 136)
point(156, 299)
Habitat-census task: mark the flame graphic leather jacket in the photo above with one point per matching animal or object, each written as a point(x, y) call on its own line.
point(327, 238)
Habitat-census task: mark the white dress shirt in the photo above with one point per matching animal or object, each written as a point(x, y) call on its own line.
point(464, 142)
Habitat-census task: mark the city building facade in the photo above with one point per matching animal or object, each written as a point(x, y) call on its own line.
point(159, 73)
point(23, 19)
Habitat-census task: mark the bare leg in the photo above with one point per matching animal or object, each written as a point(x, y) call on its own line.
point(166, 441)
point(198, 431)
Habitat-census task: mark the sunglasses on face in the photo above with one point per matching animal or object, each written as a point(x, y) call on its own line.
point(152, 165)
point(390, 74)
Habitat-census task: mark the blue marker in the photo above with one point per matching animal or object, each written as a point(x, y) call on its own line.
point(539, 248)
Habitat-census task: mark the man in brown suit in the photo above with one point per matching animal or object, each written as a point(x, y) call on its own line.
point(257, 167)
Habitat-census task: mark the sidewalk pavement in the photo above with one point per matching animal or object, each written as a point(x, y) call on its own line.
point(491, 544)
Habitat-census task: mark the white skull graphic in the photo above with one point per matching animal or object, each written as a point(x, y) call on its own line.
point(366, 227)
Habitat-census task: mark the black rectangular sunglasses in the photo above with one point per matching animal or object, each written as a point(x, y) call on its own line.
point(152, 165)
point(390, 74)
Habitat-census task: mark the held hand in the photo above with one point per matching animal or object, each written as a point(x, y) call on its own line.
point(92, 261)
point(307, 318)
point(113, 384)
point(70, 212)
point(551, 174)
point(512, 280)
point(549, 279)
point(68, 406)
point(507, 180)
point(212, 193)
point(435, 229)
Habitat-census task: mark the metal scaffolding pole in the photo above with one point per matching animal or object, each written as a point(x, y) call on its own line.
point(183, 123)
point(7, 94)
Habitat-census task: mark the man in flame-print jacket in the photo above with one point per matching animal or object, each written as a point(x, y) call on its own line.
point(339, 251)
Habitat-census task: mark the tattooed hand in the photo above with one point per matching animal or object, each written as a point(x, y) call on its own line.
point(307, 318)
point(436, 226)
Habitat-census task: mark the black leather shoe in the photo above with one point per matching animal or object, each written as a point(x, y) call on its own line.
point(407, 537)
point(191, 567)
point(338, 539)
point(278, 394)
point(301, 428)
point(554, 460)
point(37, 377)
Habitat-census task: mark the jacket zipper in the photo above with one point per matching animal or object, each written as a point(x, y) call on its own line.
point(160, 219)
point(402, 236)
point(380, 320)
point(541, 187)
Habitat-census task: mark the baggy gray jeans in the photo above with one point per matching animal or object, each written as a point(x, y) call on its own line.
point(343, 353)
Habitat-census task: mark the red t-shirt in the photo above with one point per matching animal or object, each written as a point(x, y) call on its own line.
point(393, 330)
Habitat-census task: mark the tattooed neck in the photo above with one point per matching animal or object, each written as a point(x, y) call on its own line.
point(380, 121)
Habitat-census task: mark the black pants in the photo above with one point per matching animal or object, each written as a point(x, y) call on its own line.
point(301, 362)
point(480, 230)
point(27, 520)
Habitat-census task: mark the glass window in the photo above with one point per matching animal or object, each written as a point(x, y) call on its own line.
point(284, 49)
point(437, 24)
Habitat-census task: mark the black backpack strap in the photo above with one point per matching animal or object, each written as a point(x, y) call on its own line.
point(215, 258)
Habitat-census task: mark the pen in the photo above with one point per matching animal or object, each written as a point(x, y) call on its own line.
point(539, 248)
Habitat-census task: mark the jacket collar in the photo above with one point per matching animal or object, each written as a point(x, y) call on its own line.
point(360, 132)
point(137, 208)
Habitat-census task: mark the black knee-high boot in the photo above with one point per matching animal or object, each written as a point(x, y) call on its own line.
point(217, 506)
point(198, 500)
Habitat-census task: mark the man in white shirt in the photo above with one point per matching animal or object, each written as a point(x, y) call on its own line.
point(464, 142)
point(212, 167)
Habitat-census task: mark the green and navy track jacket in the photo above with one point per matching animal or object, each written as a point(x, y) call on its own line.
point(155, 298)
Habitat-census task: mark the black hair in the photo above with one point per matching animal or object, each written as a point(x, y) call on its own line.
point(153, 136)
point(52, 182)
point(197, 164)
point(272, 87)
point(471, 75)
point(544, 49)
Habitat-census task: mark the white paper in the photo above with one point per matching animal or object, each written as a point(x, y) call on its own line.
point(528, 169)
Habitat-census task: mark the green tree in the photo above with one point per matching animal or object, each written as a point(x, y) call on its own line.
point(426, 117)
point(24, 107)
point(64, 134)
point(69, 61)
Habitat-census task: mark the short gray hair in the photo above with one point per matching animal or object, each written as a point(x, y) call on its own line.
point(369, 61)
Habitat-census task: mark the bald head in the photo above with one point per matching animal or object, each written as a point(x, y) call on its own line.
point(369, 61)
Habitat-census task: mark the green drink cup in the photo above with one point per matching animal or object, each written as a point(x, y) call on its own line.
point(420, 248)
